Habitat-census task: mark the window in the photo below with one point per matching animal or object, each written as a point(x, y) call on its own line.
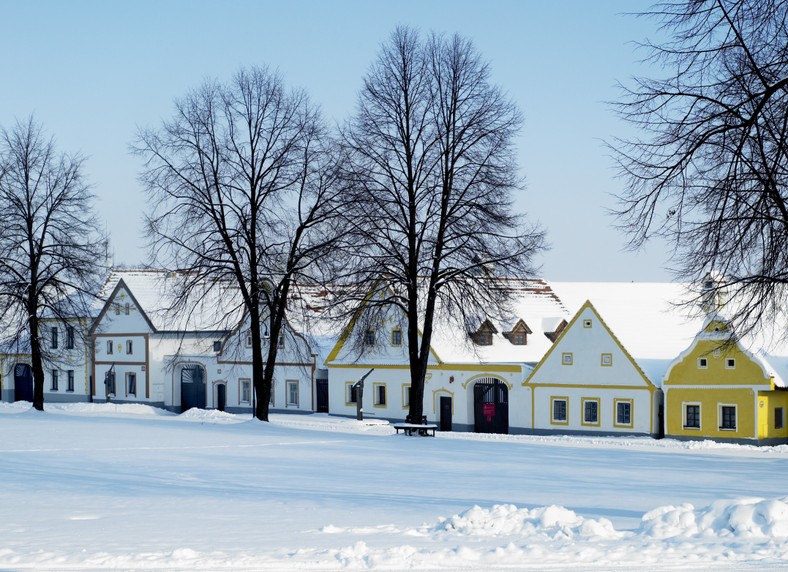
point(558, 405)
point(271, 399)
point(405, 396)
point(117, 309)
point(703, 363)
point(280, 343)
point(248, 339)
point(727, 417)
point(109, 381)
point(217, 346)
point(518, 339)
point(484, 338)
point(54, 380)
point(369, 338)
point(351, 395)
point(379, 394)
point(730, 363)
point(70, 380)
point(396, 337)
point(129, 347)
point(567, 358)
point(691, 416)
point(779, 417)
point(587, 323)
point(54, 337)
point(590, 412)
point(607, 360)
point(126, 308)
point(109, 347)
point(244, 393)
point(131, 384)
point(292, 393)
point(623, 412)
point(69, 337)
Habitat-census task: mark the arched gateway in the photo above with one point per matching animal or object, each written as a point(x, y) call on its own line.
point(490, 406)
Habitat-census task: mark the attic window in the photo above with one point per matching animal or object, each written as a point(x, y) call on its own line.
point(587, 323)
point(607, 359)
point(518, 339)
point(567, 358)
point(730, 363)
point(126, 309)
point(484, 339)
point(369, 337)
point(217, 346)
point(703, 363)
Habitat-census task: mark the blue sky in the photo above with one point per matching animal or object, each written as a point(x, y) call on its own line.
point(94, 71)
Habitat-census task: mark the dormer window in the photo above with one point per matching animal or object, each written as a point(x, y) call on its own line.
point(484, 335)
point(518, 339)
point(484, 338)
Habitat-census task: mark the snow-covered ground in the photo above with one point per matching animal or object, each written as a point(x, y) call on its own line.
point(97, 486)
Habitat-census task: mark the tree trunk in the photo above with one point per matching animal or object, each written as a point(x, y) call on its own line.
point(36, 363)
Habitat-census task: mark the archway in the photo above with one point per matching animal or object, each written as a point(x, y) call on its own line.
point(23, 382)
point(192, 387)
point(490, 406)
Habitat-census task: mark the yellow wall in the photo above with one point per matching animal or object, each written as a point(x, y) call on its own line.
point(768, 401)
point(713, 386)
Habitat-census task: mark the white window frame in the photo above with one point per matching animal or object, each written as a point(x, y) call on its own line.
point(289, 385)
point(376, 394)
point(70, 381)
point(405, 395)
point(720, 417)
point(247, 384)
point(131, 375)
point(349, 394)
point(684, 406)
point(703, 363)
point(129, 347)
point(70, 335)
point(110, 347)
point(730, 363)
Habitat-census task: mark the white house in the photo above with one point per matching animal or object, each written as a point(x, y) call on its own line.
point(474, 379)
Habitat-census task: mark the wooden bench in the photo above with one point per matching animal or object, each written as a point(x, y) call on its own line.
point(410, 428)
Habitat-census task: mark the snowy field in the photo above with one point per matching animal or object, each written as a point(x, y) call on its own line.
point(97, 486)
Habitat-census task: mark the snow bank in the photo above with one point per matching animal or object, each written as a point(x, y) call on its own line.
point(551, 522)
point(740, 518)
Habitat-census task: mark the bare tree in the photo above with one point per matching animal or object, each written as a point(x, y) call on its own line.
point(51, 245)
point(710, 169)
point(241, 191)
point(432, 169)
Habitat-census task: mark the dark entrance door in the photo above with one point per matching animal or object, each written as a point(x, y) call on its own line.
point(23, 382)
point(491, 406)
point(445, 423)
point(221, 396)
point(192, 388)
point(321, 386)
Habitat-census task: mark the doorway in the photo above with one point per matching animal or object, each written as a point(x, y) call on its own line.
point(490, 406)
point(192, 387)
point(23, 382)
point(445, 413)
point(221, 396)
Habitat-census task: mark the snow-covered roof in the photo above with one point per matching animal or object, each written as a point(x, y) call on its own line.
point(217, 307)
point(534, 302)
point(650, 319)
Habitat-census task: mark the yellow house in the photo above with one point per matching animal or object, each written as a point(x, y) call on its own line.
point(719, 389)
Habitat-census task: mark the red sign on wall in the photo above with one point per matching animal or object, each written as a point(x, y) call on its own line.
point(488, 410)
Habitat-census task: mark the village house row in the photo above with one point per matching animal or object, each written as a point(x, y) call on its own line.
point(574, 358)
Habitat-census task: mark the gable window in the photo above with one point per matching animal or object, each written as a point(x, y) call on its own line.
point(703, 363)
point(109, 347)
point(567, 358)
point(126, 308)
point(396, 337)
point(117, 309)
point(369, 337)
point(70, 380)
point(54, 380)
point(587, 323)
point(559, 409)
point(727, 415)
point(53, 338)
point(730, 363)
point(607, 360)
point(129, 347)
point(590, 412)
point(69, 337)
point(691, 416)
point(379, 394)
point(131, 383)
point(280, 343)
point(405, 396)
point(244, 393)
point(248, 338)
point(351, 394)
point(623, 412)
point(484, 339)
point(217, 346)
point(292, 393)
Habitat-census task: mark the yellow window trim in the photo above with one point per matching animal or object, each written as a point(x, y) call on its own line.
point(631, 413)
point(553, 399)
point(348, 385)
point(583, 421)
point(405, 387)
point(375, 386)
point(399, 345)
point(602, 360)
point(571, 357)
